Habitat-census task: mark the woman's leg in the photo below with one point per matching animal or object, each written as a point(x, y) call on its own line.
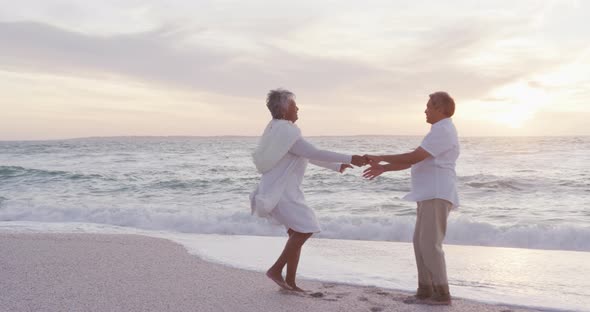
point(289, 257)
point(293, 262)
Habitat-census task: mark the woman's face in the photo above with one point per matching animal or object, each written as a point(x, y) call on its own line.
point(291, 113)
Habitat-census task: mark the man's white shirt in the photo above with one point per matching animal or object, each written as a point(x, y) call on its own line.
point(435, 177)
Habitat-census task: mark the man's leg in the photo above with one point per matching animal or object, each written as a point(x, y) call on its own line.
point(424, 279)
point(434, 224)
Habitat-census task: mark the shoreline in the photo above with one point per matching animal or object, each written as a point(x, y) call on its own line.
point(123, 272)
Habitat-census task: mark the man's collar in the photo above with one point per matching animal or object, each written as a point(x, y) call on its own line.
point(442, 122)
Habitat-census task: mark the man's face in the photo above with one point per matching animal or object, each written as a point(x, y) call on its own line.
point(433, 114)
point(291, 113)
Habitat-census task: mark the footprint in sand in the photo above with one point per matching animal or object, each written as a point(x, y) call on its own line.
point(322, 296)
point(377, 291)
point(376, 309)
point(291, 293)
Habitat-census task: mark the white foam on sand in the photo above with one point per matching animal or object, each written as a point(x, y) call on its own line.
point(523, 277)
point(462, 230)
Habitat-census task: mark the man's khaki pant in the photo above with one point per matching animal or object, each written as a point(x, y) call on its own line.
point(431, 227)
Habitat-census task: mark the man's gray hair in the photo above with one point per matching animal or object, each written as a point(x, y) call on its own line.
point(277, 102)
point(445, 101)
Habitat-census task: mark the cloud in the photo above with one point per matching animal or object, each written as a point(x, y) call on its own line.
point(159, 56)
point(212, 58)
point(352, 65)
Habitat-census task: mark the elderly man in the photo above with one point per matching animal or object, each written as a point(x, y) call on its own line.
point(434, 190)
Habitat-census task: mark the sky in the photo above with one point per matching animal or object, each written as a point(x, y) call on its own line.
point(72, 69)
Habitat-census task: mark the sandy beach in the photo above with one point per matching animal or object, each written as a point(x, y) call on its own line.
point(100, 272)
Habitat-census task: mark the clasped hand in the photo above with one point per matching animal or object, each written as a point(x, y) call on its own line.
point(357, 160)
point(370, 173)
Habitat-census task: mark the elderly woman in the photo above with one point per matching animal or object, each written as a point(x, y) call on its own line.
point(281, 157)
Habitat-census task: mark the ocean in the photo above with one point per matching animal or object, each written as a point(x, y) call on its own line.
point(530, 194)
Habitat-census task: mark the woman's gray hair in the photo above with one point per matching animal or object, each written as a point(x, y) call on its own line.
point(277, 102)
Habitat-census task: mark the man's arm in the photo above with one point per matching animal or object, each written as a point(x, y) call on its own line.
point(402, 161)
point(395, 162)
point(376, 169)
point(396, 167)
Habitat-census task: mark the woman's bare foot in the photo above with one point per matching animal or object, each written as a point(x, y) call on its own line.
point(294, 287)
point(278, 279)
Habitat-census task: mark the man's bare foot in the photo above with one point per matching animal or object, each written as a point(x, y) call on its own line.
point(415, 300)
point(278, 279)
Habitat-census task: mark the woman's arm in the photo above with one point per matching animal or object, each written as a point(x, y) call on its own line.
point(307, 150)
point(327, 165)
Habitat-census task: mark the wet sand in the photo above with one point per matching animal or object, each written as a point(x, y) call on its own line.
point(101, 272)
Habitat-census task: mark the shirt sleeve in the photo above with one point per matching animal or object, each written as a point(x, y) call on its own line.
point(305, 149)
point(327, 165)
point(437, 141)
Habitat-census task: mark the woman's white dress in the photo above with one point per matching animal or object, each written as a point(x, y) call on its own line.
point(283, 184)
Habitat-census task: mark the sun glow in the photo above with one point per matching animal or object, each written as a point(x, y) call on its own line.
point(522, 101)
point(515, 117)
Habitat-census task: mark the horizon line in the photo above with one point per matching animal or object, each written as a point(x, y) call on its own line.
point(256, 136)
